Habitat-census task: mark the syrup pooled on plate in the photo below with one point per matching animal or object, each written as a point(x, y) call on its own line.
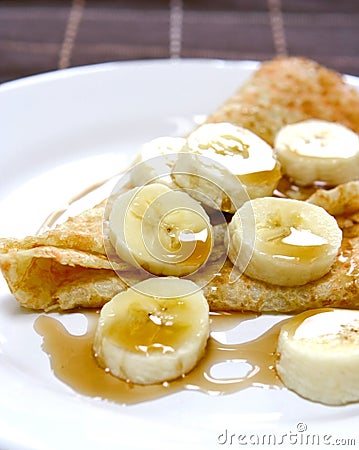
point(73, 362)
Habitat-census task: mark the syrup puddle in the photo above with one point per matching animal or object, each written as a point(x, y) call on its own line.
point(72, 361)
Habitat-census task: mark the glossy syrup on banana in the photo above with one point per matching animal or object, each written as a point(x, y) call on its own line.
point(73, 362)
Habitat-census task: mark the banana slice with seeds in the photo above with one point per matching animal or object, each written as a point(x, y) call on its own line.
point(155, 160)
point(155, 331)
point(316, 150)
point(236, 160)
point(318, 355)
point(164, 231)
point(295, 242)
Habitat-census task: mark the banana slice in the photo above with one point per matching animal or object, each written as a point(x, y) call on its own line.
point(155, 160)
point(234, 156)
point(155, 331)
point(316, 150)
point(296, 242)
point(166, 232)
point(318, 355)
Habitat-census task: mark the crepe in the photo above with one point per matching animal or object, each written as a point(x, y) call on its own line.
point(64, 268)
point(67, 267)
point(288, 90)
point(339, 288)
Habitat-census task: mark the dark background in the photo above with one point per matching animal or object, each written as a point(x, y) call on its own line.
point(39, 36)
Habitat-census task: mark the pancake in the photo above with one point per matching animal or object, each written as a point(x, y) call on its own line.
point(64, 268)
point(339, 288)
point(67, 267)
point(289, 90)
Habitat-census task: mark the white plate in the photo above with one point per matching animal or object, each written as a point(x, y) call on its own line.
point(60, 132)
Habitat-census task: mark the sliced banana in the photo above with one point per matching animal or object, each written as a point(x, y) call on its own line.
point(155, 331)
point(295, 242)
point(318, 355)
point(155, 160)
point(316, 150)
point(166, 232)
point(234, 157)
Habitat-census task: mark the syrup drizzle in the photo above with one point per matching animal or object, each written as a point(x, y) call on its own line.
point(72, 361)
point(56, 215)
point(285, 189)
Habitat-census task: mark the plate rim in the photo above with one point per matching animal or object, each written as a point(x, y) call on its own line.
point(80, 70)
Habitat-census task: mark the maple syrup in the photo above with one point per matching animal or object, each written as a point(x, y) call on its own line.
point(73, 362)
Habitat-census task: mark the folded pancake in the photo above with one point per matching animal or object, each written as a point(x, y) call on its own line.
point(339, 288)
point(67, 267)
point(289, 90)
point(64, 268)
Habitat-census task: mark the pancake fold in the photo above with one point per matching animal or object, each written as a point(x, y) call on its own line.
point(67, 267)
